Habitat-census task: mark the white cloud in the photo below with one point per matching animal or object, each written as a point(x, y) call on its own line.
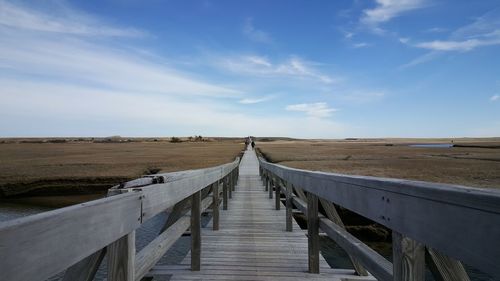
point(495, 98)
point(71, 58)
point(464, 46)
point(436, 30)
point(63, 20)
point(107, 112)
point(404, 40)
point(292, 67)
point(255, 100)
point(483, 31)
point(255, 34)
point(316, 110)
point(389, 9)
point(361, 45)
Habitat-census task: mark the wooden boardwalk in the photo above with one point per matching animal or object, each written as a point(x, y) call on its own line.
point(252, 243)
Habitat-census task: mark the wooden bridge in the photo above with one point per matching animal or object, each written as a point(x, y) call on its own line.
point(254, 236)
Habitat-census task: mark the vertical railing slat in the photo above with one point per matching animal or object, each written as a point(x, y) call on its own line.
point(313, 233)
point(196, 231)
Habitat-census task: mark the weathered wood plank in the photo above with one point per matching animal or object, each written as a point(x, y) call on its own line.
point(277, 201)
point(408, 258)
point(331, 213)
point(153, 252)
point(121, 256)
point(40, 246)
point(85, 269)
point(373, 261)
point(196, 231)
point(313, 233)
point(159, 197)
point(444, 268)
point(289, 216)
point(215, 207)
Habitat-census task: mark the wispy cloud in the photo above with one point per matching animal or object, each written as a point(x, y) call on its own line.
point(255, 34)
point(73, 59)
point(436, 30)
point(484, 31)
point(316, 110)
point(361, 45)
point(65, 21)
point(256, 100)
point(495, 98)
point(386, 10)
point(464, 46)
point(262, 66)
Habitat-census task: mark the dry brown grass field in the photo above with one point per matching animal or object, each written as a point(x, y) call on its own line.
point(477, 166)
point(43, 167)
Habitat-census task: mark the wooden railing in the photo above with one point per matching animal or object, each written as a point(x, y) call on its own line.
point(77, 238)
point(434, 223)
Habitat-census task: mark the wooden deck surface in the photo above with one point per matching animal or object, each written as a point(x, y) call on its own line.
point(252, 243)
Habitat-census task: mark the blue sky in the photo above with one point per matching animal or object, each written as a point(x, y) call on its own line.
point(311, 69)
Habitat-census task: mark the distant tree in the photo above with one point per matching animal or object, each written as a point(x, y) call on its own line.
point(190, 138)
point(175, 139)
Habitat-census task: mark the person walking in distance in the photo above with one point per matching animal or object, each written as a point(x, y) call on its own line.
point(253, 144)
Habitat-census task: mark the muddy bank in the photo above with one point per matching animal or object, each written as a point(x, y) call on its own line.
point(52, 202)
point(59, 187)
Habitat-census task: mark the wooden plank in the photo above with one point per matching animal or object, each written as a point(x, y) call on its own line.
point(121, 256)
point(153, 252)
point(159, 197)
point(331, 213)
point(403, 205)
point(444, 268)
point(215, 207)
point(313, 233)
point(277, 201)
point(408, 258)
point(225, 199)
point(289, 216)
point(85, 269)
point(196, 231)
point(373, 261)
point(40, 246)
point(271, 187)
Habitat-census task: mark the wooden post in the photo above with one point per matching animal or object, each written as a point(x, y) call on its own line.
point(230, 189)
point(224, 195)
point(266, 179)
point(271, 184)
point(234, 180)
point(408, 258)
point(313, 232)
point(121, 255)
point(196, 231)
point(289, 218)
point(278, 195)
point(215, 206)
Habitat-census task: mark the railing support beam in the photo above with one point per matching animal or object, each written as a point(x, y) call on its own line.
point(224, 195)
point(271, 184)
point(196, 231)
point(215, 206)
point(278, 195)
point(289, 218)
point(313, 233)
point(408, 258)
point(121, 257)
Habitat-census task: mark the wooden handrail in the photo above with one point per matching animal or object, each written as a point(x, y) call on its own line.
point(39, 246)
point(458, 221)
